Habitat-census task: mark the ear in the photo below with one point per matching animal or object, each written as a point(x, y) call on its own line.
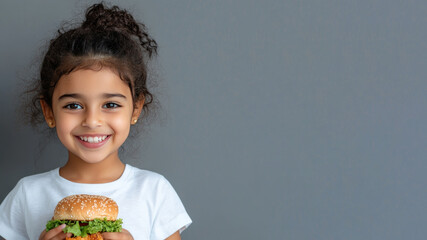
point(47, 113)
point(139, 104)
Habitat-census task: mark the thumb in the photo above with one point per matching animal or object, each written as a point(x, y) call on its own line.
point(55, 231)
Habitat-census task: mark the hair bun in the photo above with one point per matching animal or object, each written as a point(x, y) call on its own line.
point(100, 18)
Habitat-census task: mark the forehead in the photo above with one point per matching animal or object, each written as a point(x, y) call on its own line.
point(91, 83)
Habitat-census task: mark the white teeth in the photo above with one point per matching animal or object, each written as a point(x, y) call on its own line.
point(93, 139)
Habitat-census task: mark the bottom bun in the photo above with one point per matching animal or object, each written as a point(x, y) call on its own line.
point(95, 236)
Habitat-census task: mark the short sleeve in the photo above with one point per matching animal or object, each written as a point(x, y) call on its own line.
point(170, 214)
point(12, 221)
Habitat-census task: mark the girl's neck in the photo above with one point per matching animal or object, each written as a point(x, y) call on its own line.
point(79, 171)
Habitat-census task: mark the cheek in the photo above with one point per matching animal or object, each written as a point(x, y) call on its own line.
point(64, 125)
point(121, 125)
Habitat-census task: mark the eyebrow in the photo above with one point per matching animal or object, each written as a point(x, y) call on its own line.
point(104, 95)
point(112, 95)
point(70, 95)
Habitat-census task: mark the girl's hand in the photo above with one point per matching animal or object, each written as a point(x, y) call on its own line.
point(54, 234)
point(123, 235)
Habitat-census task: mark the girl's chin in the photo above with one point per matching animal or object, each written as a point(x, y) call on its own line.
point(93, 158)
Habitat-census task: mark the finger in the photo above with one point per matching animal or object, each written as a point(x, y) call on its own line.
point(110, 236)
point(42, 235)
point(123, 235)
point(61, 236)
point(55, 233)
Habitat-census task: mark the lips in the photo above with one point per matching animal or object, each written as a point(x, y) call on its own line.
point(93, 141)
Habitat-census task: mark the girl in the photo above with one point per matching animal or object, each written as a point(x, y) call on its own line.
point(92, 88)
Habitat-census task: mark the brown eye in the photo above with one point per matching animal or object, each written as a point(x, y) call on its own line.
point(111, 105)
point(73, 106)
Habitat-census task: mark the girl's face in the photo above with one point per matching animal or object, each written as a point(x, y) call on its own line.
point(92, 111)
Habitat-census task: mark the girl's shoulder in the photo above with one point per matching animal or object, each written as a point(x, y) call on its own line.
point(32, 185)
point(37, 179)
point(146, 177)
point(143, 174)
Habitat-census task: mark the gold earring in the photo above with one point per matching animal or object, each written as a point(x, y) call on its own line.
point(51, 124)
point(135, 120)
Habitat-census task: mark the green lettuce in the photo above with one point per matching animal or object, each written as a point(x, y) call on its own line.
point(89, 227)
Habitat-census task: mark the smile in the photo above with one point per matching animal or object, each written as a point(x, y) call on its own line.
point(96, 139)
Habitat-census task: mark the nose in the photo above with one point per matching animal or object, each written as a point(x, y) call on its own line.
point(92, 118)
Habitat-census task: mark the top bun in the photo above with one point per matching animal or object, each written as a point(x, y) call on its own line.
point(84, 207)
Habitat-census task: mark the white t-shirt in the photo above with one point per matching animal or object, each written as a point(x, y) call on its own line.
point(148, 204)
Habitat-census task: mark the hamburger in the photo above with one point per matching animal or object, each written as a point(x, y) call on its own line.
point(86, 216)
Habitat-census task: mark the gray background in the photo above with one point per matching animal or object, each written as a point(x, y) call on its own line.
point(280, 119)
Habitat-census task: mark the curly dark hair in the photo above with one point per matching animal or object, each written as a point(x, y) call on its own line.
point(108, 37)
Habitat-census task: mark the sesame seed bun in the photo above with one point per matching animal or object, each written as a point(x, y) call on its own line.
point(84, 207)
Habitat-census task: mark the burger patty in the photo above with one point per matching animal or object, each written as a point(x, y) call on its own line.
point(95, 236)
